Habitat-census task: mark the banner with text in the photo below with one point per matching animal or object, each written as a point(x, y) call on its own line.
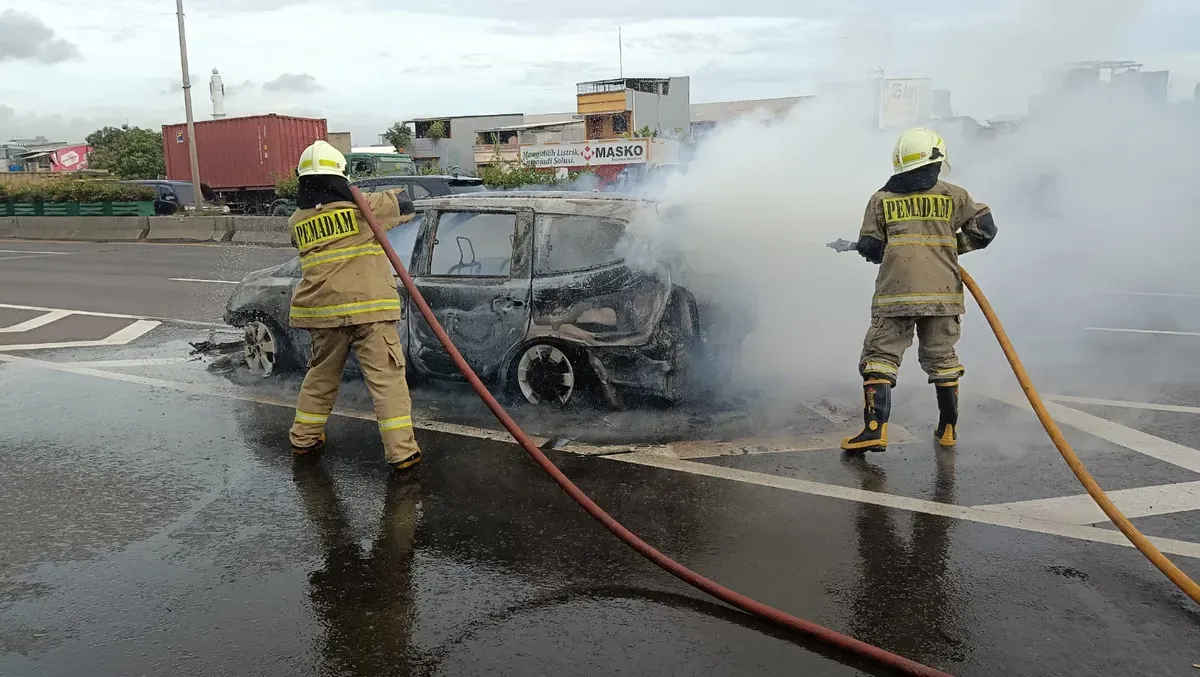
point(584, 153)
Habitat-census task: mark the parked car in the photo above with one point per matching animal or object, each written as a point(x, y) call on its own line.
point(536, 292)
point(174, 196)
point(417, 187)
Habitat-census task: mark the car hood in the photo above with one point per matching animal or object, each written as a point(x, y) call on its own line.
point(261, 274)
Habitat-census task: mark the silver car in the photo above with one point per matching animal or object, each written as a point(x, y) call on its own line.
point(536, 291)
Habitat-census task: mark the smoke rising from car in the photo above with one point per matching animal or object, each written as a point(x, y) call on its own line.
point(1092, 196)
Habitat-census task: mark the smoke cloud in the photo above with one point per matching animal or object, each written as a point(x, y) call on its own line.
point(1092, 194)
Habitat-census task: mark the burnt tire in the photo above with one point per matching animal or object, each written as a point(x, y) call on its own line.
point(545, 374)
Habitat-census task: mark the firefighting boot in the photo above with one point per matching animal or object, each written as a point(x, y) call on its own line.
point(311, 450)
point(947, 428)
point(877, 407)
point(407, 465)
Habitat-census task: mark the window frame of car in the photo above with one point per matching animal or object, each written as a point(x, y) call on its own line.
point(542, 243)
point(522, 252)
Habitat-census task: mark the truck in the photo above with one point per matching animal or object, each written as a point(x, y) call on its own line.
point(242, 158)
point(379, 161)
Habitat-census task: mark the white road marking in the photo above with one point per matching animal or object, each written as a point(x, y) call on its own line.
point(1124, 404)
point(192, 279)
point(147, 362)
point(1040, 526)
point(90, 313)
point(27, 256)
point(1134, 440)
point(117, 338)
point(1081, 509)
point(1143, 331)
point(662, 459)
point(31, 251)
point(39, 321)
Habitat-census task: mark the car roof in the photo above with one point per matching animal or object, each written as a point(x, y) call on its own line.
point(551, 202)
point(414, 177)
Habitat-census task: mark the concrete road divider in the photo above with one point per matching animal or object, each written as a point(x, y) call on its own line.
point(93, 228)
point(256, 230)
point(189, 229)
point(262, 230)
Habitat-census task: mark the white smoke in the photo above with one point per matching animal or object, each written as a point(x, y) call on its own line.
point(1089, 195)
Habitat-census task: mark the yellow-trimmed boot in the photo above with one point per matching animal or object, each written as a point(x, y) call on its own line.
point(877, 407)
point(947, 428)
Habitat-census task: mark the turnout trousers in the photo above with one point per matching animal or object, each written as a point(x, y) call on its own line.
point(889, 338)
point(377, 347)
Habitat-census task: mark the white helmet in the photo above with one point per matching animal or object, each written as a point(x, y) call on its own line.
point(321, 158)
point(917, 148)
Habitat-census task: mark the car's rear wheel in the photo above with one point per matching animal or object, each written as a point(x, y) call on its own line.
point(265, 347)
point(547, 375)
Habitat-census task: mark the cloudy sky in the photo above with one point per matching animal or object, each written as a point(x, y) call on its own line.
point(69, 66)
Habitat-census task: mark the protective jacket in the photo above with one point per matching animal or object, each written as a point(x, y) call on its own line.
point(346, 278)
point(916, 227)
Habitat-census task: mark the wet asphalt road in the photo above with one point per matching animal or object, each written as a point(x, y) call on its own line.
point(152, 521)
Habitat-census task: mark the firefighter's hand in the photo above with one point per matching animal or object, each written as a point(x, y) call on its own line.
point(870, 249)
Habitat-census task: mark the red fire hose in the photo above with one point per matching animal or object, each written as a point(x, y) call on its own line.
point(676, 569)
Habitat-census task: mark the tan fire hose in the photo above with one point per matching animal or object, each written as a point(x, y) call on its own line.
point(1139, 541)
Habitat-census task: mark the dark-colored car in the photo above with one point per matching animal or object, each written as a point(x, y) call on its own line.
point(174, 196)
point(417, 187)
point(536, 292)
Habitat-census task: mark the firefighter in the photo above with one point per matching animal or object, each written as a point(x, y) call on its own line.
point(347, 300)
point(915, 228)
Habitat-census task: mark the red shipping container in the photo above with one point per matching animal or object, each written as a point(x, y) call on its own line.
point(241, 153)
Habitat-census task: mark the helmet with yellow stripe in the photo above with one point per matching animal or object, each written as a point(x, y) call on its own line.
point(321, 159)
point(918, 148)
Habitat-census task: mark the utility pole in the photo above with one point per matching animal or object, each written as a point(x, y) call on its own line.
point(187, 107)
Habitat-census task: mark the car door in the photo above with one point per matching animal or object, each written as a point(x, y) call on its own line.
point(473, 267)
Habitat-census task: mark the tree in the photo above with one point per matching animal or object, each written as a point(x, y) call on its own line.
point(128, 152)
point(436, 131)
point(399, 135)
point(646, 133)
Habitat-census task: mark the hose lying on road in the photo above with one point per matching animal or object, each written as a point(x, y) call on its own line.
point(1143, 544)
point(676, 569)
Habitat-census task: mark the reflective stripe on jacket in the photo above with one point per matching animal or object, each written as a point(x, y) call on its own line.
point(920, 232)
point(345, 277)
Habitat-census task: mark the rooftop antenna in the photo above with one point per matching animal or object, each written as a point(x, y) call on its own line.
point(621, 53)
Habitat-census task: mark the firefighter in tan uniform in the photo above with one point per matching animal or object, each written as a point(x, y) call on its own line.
point(915, 228)
point(347, 300)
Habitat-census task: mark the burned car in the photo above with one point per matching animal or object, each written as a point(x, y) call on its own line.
point(539, 292)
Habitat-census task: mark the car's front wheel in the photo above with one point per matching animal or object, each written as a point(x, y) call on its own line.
point(265, 347)
point(546, 374)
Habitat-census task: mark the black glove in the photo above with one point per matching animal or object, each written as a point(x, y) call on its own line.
point(870, 249)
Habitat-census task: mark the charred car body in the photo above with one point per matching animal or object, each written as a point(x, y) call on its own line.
point(541, 294)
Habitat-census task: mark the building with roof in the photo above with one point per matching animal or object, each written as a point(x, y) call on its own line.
point(503, 144)
point(456, 147)
point(619, 108)
point(704, 117)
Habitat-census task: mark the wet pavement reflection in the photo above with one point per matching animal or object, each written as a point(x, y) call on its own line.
point(178, 536)
point(901, 579)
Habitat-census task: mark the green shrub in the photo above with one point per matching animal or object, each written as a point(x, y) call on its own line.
point(29, 192)
point(75, 190)
point(288, 187)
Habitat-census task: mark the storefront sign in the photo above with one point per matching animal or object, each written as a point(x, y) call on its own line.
point(584, 153)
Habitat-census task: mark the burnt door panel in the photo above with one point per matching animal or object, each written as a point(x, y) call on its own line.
point(585, 291)
point(476, 280)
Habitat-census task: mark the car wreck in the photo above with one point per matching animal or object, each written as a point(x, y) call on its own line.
point(544, 293)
